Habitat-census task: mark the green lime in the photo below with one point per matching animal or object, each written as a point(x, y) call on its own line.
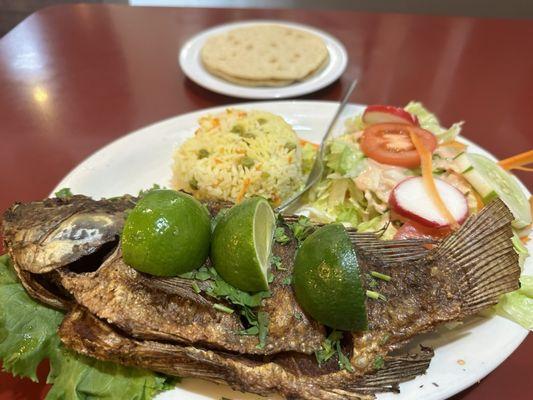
point(326, 279)
point(241, 244)
point(166, 234)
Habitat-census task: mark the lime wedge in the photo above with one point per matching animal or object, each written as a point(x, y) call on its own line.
point(242, 242)
point(327, 280)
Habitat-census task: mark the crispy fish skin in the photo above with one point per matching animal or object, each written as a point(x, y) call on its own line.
point(84, 333)
point(144, 308)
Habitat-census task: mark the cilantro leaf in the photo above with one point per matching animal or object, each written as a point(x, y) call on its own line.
point(276, 260)
point(379, 362)
point(301, 228)
point(280, 236)
point(63, 193)
point(330, 347)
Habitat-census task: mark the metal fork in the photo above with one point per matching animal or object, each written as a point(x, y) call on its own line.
point(318, 166)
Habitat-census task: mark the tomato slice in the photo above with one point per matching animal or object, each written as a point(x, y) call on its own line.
point(391, 144)
point(412, 230)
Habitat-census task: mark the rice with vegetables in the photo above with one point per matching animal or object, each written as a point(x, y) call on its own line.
point(237, 154)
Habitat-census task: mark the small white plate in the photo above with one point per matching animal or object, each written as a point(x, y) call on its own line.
point(191, 64)
point(463, 356)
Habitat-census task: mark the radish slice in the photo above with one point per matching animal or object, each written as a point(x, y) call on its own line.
point(379, 114)
point(410, 199)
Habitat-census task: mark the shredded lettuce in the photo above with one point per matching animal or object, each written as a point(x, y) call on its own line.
point(520, 249)
point(308, 157)
point(430, 122)
point(28, 335)
point(518, 305)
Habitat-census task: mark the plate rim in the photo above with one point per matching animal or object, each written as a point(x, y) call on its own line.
point(220, 86)
point(438, 394)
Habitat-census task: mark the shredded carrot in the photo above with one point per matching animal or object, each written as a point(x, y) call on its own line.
point(429, 181)
point(289, 159)
point(479, 200)
point(528, 169)
point(241, 194)
point(217, 160)
point(455, 144)
point(525, 239)
point(518, 160)
point(216, 122)
point(303, 142)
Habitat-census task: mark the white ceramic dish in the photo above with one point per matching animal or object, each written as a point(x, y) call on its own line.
point(191, 64)
point(143, 157)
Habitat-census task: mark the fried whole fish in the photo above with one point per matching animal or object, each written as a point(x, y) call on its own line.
point(465, 273)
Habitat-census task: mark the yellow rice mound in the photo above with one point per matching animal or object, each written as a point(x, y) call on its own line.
point(238, 154)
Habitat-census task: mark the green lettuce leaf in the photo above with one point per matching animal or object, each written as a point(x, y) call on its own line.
point(520, 249)
point(308, 157)
point(78, 377)
point(430, 122)
point(27, 329)
point(343, 157)
point(28, 335)
point(518, 305)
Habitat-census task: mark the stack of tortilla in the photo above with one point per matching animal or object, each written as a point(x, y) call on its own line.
point(264, 55)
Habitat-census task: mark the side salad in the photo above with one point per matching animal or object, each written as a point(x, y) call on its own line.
point(399, 171)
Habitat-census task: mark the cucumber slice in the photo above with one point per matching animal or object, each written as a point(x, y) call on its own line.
point(490, 181)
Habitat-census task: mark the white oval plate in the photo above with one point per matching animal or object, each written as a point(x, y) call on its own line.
point(142, 158)
point(191, 64)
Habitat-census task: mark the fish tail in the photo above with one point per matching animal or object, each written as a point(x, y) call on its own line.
point(483, 249)
point(397, 369)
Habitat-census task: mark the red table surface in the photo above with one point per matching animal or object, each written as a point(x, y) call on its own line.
point(75, 77)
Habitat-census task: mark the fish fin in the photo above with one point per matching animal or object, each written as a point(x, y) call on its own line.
point(483, 249)
point(397, 369)
point(389, 251)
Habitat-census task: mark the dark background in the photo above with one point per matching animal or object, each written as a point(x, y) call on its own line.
point(14, 11)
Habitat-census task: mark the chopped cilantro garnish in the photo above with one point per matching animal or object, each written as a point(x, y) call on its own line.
point(63, 193)
point(144, 192)
point(375, 295)
point(223, 308)
point(241, 302)
point(276, 260)
point(280, 236)
point(381, 276)
point(330, 347)
point(287, 280)
point(379, 362)
point(301, 228)
point(195, 287)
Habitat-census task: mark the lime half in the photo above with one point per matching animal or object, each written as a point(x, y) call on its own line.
point(327, 280)
point(242, 242)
